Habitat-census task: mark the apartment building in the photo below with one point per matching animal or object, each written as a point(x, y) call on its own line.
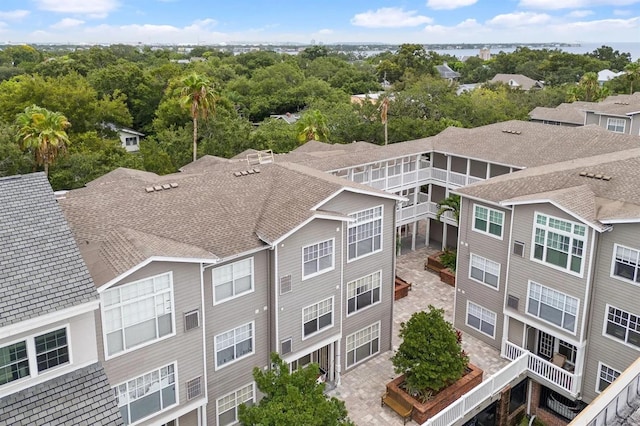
point(49, 366)
point(203, 273)
point(616, 113)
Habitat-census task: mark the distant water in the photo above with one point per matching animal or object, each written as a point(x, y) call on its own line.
point(632, 48)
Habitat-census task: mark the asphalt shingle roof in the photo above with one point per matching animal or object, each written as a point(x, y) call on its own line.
point(41, 269)
point(81, 397)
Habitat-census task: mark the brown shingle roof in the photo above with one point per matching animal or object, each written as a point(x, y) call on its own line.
point(524, 82)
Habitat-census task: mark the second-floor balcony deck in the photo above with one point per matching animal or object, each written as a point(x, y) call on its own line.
point(423, 209)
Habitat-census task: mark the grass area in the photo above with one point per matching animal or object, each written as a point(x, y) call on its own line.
point(525, 422)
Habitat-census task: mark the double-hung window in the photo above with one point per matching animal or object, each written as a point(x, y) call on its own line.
point(317, 258)
point(49, 350)
point(317, 317)
point(146, 395)
point(481, 319)
point(484, 270)
point(606, 376)
point(227, 406)
point(365, 232)
point(137, 313)
point(626, 263)
point(559, 242)
point(488, 221)
point(552, 306)
point(363, 292)
point(623, 326)
point(363, 344)
point(232, 280)
point(234, 344)
point(616, 125)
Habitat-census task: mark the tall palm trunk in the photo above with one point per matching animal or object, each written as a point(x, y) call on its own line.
point(195, 138)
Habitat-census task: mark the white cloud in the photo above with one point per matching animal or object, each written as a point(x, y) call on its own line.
point(67, 23)
point(11, 15)
point(580, 13)
point(519, 19)
point(620, 12)
point(325, 31)
point(449, 4)
point(94, 8)
point(202, 24)
point(389, 17)
point(571, 4)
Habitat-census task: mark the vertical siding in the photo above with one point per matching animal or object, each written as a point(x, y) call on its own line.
point(186, 292)
point(523, 269)
point(467, 289)
point(621, 294)
point(383, 260)
point(231, 314)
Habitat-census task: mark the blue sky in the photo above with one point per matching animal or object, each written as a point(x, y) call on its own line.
point(327, 21)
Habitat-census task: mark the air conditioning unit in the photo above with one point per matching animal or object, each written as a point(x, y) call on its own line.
point(513, 302)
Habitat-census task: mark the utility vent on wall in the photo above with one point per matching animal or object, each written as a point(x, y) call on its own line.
point(194, 388)
point(191, 320)
point(285, 347)
point(518, 248)
point(285, 284)
point(513, 302)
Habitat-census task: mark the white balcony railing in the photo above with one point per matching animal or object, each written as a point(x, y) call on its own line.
point(541, 368)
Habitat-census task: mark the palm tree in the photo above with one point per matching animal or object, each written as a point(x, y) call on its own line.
point(312, 126)
point(198, 94)
point(449, 204)
point(43, 132)
point(633, 73)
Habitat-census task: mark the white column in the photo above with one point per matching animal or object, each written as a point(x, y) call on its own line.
point(468, 171)
point(338, 362)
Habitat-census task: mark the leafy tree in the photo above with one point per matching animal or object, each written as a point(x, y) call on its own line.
point(588, 89)
point(43, 132)
point(13, 160)
point(632, 71)
point(430, 355)
point(617, 61)
point(313, 52)
point(292, 399)
point(449, 204)
point(312, 126)
point(276, 135)
point(198, 94)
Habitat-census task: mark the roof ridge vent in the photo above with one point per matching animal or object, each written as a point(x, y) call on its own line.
point(512, 132)
point(162, 187)
point(248, 172)
point(599, 176)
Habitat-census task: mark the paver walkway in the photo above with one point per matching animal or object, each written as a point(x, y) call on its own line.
point(362, 387)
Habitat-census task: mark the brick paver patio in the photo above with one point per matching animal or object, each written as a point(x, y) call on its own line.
point(362, 387)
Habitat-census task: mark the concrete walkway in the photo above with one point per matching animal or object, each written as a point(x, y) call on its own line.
point(362, 387)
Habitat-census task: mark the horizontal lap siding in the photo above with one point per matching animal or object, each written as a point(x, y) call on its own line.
point(621, 294)
point(186, 291)
point(467, 289)
point(229, 315)
point(523, 269)
point(383, 260)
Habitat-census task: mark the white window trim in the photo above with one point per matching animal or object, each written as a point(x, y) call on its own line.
point(32, 355)
point(497, 287)
point(600, 365)
point(151, 342)
point(253, 391)
point(235, 296)
point(624, 124)
point(480, 231)
point(333, 310)
point(479, 330)
point(175, 381)
point(613, 338)
point(379, 272)
point(253, 346)
point(558, 327)
point(355, 225)
point(613, 265)
point(333, 259)
point(572, 236)
point(370, 356)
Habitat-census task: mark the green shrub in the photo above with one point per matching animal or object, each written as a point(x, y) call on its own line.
point(448, 259)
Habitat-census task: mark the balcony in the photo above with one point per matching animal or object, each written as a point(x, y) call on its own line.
point(540, 368)
point(423, 209)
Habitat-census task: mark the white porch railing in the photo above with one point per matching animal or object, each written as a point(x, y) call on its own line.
point(457, 179)
point(541, 368)
point(480, 393)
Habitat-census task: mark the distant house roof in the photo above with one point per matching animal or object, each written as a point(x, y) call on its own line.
point(42, 270)
point(517, 80)
point(606, 75)
point(466, 88)
point(288, 117)
point(82, 396)
point(446, 72)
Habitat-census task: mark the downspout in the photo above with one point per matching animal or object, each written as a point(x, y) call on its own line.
point(203, 421)
point(275, 298)
point(338, 346)
point(505, 325)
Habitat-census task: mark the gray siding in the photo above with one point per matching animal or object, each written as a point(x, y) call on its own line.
point(489, 247)
point(591, 118)
point(382, 260)
point(228, 315)
point(615, 292)
point(186, 292)
point(523, 269)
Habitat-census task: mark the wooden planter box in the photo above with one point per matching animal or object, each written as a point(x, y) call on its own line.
point(423, 411)
point(401, 288)
point(448, 276)
point(433, 262)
